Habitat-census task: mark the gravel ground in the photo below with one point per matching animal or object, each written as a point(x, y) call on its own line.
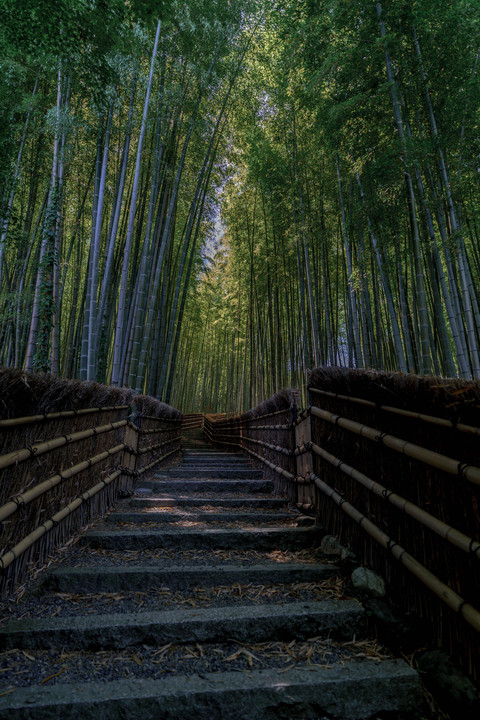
point(190, 523)
point(24, 668)
point(214, 509)
point(86, 556)
point(156, 599)
point(207, 495)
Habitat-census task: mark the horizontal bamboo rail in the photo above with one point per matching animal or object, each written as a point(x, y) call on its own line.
point(242, 423)
point(152, 431)
point(151, 448)
point(32, 419)
point(20, 500)
point(272, 466)
point(445, 531)
point(431, 419)
point(18, 549)
point(159, 419)
point(18, 456)
point(429, 457)
point(156, 462)
point(442, 591)
point(270, 427)
point(275, 448)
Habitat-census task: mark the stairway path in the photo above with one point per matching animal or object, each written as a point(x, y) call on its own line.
point(198, 595)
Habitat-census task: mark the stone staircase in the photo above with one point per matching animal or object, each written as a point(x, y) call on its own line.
point(200, 596)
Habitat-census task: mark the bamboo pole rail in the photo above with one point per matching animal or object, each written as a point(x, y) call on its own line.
point(24, 454)
point(18, 549)
point(32, 419)
point(270, 427)
point(272, 466)
point(151, 448)
point(155, 462)
point(151, 431)
point(429, 457)
point(445, 531)
point(275, 448)
point(442, 591)
point(159, 419)
point(20, 500)
point(431, 419)
point(227, 422)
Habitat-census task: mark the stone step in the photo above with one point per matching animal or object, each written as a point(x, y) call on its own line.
point(242, 623)
point(348, 691)
point(100, 579)
point(216, 454)
point(212, 472)
point(223, 501)
point(212, 465)
point(165, 517)
point(212, 486)
point(214, 458)
point(254, 539)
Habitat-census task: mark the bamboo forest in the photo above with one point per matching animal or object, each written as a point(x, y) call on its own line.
point(201, 200)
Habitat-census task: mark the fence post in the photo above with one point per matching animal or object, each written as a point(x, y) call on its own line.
point(303, 462)
point(129, 458)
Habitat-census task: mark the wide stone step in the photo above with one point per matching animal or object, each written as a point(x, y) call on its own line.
point(256, 539)
point(212, 486)
point(213, 472)
point(223, 501)
point(242, 623)
point(99, 579)
point(348, 691)
point(164, 517)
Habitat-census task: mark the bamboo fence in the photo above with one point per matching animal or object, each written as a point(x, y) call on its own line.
point(390, 464)
point(60, 469)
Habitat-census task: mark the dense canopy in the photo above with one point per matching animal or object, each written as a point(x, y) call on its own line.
point(201, 200)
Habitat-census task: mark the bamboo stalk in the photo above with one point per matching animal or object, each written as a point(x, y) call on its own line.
point(442, 591)
point(21, 455)
point(36, 534)
point(431, 419)
point(455, 537)
point(429, 457)
point(32, 419)
point(20, 500)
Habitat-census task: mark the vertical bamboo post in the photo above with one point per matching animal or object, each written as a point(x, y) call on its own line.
point(129, 458)
point(303, 435)
point(297, 398)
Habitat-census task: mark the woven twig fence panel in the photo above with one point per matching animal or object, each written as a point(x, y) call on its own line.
point(266, 434)
point(66, 462)
point(397, 468)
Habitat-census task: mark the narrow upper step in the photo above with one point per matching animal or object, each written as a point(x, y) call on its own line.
point(202, 471)
point(211, 486)
point(207, 501)
point(210, 517)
